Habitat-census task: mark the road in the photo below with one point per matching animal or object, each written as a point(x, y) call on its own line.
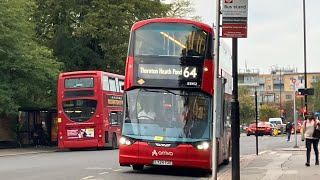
point(103, 164)
point(248, 143)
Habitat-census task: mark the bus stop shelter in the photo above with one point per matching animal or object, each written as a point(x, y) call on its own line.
point(37, 126)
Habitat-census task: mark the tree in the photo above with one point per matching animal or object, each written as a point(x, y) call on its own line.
point(247, 105)
point(267, 111)
point(92, 35)
point(183, 9)
point(288, 110)
point(28, 70)
point(314, 102)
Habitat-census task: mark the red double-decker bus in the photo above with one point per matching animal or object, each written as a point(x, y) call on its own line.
point(90, 105)
point(168, 96)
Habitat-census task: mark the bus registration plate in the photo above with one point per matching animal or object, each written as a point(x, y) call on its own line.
point(162, 162)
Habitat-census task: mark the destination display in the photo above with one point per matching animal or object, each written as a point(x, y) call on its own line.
point(170, 72)
point(114, 100)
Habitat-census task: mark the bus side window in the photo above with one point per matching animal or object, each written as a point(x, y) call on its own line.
point(121, 85)
point(105, 83)
point(120, 116)
point(113, 118)
point(112, 84)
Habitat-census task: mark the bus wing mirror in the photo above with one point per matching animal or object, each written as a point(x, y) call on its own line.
point(122, 87)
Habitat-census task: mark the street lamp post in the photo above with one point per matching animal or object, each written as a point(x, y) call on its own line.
point(280, 94)
point(256, 106)
point(305, 54)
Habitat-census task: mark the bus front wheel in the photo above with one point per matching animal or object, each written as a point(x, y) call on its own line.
point(137, 167)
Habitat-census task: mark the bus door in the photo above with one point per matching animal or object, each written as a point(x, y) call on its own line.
point(114, 132)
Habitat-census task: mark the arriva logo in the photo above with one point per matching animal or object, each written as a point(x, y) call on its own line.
point(162, 145)
point(161, 153)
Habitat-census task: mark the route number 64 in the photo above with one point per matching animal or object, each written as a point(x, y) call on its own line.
point(187, 72)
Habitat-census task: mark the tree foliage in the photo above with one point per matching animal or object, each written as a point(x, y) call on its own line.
point(314, 102)
point(90, 35)
point(183, 9)
point(247, 105)
point(267, 111)
point(288, 109)
point(94, 34)
point(28, 70)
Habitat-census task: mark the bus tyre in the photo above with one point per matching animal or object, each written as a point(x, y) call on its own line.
point(114, 142)
point(137, 167)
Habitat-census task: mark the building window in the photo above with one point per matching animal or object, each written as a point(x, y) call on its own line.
point(288, 96)
point(269, 87)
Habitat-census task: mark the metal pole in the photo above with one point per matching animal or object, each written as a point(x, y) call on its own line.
point(256, 104)
point(214, 158)
point(235, 130)
point(295, 120)
point(280, 94)
point(305, 54)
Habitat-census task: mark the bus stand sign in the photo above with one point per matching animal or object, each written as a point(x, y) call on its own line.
point(234, 18)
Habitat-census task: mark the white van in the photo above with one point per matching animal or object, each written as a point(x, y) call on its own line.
point(279, 123)
point(275, 121)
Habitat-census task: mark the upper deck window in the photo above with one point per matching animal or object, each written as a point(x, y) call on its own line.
point(170, 39)
point(112, 83)
point(78, 82)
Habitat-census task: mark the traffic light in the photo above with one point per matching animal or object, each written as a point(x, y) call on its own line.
point(283, 113)
point(303, 111)
point(308, 91)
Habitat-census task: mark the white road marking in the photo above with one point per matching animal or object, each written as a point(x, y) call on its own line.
point(96, 168)
point(117, 170)
point(88, 177)
point(273, 152)
point(262, 152)
point(104, 173)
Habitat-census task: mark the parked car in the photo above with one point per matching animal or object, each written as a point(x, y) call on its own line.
point(278, 121)
point(251, 130)
point(264, 128)
point(299, 128)
point(274, 128)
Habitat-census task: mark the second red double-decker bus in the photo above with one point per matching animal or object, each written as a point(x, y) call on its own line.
point(168, 96)
point(90, 105)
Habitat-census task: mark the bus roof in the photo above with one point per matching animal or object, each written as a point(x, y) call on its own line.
point(139, 24)
point(73, 73)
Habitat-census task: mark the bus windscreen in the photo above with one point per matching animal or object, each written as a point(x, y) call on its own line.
point(78, 82)
point(170, 39)
point(179, 116)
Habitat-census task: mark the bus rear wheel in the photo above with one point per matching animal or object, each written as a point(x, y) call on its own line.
point(137, 167)
point(114, 142)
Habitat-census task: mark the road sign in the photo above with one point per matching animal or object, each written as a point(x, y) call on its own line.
point(234, 18)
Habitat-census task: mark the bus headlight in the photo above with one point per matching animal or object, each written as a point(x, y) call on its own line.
point(125, 141)
point(203, 146)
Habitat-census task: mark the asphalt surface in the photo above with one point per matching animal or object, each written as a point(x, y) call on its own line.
point(265, 143)
point(103, 164)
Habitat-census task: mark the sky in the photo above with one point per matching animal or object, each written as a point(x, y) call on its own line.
point(275, 34)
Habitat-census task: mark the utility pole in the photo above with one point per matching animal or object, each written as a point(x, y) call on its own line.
point(216, 42)
point(235, 127)
point(256, 105)
point(295, 119)
point(305, 54)
point(280, 94)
